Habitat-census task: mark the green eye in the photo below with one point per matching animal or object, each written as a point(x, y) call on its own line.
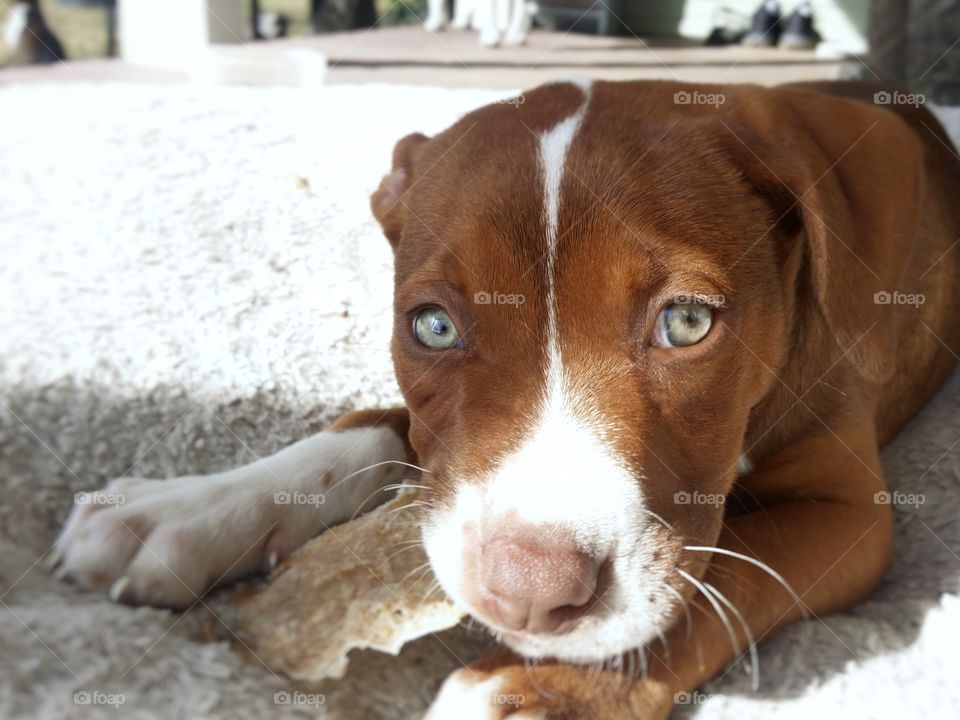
point(682, 324)
point(433, 328)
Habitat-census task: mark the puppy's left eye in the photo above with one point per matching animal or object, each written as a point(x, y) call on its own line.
point(682, 324)
point(434, 328)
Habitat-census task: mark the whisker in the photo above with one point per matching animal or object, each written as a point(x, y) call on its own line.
point(424, 566)
point(394, 486)
point(633, 656)
point(424, 573)
point(686, 609)
point(402, 550)
point(753, 561)
point(376, 465)
point(716, 606)
point(415, 503)
point(667, 525)
point(666, 645)
point(402, 486)
point(754, 656)
point(536, 686)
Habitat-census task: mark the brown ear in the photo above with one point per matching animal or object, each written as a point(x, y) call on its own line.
point(388, 202)
point(853, 173)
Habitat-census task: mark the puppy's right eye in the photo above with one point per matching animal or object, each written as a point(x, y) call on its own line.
point(433, 328)
point(682, 324)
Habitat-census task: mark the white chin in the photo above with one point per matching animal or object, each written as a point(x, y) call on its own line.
point(591, 640)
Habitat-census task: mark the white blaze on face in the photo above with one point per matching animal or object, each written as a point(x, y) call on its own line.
point(564, 473)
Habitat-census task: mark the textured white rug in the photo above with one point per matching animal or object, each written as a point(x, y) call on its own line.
point(173, 301)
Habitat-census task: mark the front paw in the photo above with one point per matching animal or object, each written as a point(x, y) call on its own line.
point(470, 694)
point(502, 686)
point(163, 542)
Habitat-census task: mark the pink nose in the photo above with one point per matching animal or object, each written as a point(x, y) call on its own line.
point(534, 585)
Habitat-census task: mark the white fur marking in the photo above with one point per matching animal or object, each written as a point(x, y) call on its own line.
point(566, 473)
point(554, 146)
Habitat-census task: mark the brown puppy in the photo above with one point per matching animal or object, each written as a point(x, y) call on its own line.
point(649, 349)
point(787, 237)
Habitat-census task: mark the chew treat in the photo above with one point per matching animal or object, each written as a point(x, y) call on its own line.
point(357, 585)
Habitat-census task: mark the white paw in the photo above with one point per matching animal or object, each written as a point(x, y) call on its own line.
point(166, 542)
point(470, 695)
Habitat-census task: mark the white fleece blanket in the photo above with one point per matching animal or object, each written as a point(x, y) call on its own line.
point(173, 301)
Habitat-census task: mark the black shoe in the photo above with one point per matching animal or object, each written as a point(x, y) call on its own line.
point(728, 28)
point(766, 26)
point(798, 33)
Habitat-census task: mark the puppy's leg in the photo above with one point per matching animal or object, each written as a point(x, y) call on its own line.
point(822, 533)
point(166, 542)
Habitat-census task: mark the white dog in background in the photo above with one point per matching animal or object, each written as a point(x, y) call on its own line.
point(506, 21)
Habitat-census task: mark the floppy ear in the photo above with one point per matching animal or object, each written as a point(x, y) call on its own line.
point(852, 172)
point(388, 202)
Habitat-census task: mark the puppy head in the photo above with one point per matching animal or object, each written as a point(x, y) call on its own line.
point(592, 289)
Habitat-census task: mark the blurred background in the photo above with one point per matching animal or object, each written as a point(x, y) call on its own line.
point(292, 42)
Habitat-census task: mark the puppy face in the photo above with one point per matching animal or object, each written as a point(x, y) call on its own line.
point(589, 295)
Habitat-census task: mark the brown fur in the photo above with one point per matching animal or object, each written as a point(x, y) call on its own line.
point(797, 204)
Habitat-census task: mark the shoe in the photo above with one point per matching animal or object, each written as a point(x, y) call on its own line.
point(798, 32)
point(728, 28)
point(766, 26)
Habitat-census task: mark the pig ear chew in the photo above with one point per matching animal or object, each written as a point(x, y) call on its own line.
point(388, 202)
